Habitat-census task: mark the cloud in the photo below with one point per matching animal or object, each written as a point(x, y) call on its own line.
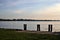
point(54, 9)
point(9, 3)
point(41, 9)
point(51, 12)
point(18, 11)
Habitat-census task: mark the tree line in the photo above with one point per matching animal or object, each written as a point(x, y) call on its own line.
point(25, 20)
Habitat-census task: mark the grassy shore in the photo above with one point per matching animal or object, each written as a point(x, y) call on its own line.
point(13, 35)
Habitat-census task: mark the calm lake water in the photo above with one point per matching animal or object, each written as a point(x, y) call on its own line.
point(31, 25)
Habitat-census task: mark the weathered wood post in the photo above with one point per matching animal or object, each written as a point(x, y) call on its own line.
point(25, 26)
point(49, 28)
point(38, 27)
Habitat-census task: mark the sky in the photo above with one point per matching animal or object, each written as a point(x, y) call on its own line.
point(30, 9)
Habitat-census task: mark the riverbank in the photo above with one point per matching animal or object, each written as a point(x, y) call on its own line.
point(14, 35)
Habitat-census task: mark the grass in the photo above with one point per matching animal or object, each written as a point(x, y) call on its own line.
point(13, 35)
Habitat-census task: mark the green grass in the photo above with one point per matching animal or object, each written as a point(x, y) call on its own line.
point(12, 35)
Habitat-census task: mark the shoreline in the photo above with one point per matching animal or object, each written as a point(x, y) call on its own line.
point(29, 31)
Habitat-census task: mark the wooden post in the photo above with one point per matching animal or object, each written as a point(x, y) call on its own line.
point(25, 26)
point(50, 28)
point(38, 27)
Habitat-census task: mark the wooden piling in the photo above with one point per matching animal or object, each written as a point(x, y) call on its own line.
point(38, 27)
point(25, 26)
point(50, 28)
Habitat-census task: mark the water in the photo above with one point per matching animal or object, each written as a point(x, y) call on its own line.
point(31, 25)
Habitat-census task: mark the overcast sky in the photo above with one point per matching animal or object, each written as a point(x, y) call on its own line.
point(30, 9)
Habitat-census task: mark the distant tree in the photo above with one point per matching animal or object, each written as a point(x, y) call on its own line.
point(14, 19)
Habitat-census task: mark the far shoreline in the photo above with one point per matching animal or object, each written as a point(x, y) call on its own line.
point(25, 20)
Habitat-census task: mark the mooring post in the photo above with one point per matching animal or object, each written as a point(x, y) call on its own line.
point(49, 28)
point(25, 26)
point(38, 27)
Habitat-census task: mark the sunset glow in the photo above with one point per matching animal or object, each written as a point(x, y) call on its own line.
point(30, 9)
